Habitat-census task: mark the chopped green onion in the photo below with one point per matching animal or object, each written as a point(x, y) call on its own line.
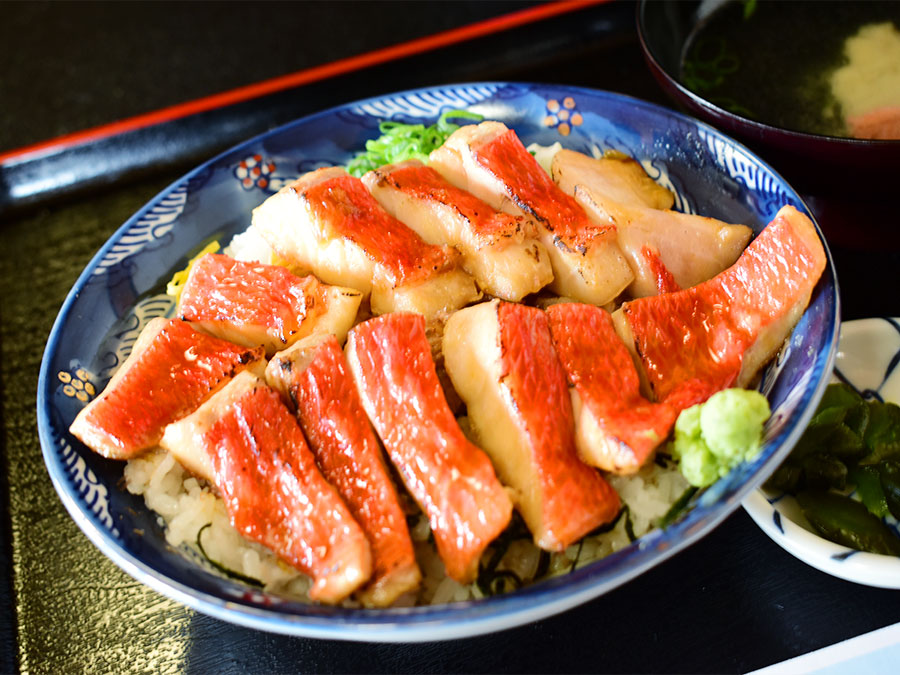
point(399, 142)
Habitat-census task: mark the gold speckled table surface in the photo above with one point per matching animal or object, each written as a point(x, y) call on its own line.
point(68, 598)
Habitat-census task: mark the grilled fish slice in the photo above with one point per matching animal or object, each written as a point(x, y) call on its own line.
point(500, 250)
point(617, 177)
point(616, 429)
point(694, 342)
point(313, 375)
point(172, 369)
point(255, 304)
point(692, 248)
point(490, 161)
point(327, 223)
point(452, 480)
point(273, 491)
point(502, 362)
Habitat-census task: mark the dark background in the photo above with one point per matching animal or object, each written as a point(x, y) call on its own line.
point(73, 65)
point(733, 602)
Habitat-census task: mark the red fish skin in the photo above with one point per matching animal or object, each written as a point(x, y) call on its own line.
point(600, 368)
point(343, 205)
point(692, 343)
point(665, 281)
point(576, 498)
point(250, 296)
point(347, 452)
point(169, 379)
point(534, 191)
point(276, 496)
point(489, 226)
point(451, 479)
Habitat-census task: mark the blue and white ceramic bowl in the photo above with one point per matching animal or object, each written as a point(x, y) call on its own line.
point(123, 286)
point(868, 358)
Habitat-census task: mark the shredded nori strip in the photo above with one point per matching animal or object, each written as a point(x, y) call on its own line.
point(492, 581)
point(677, 509)
point(489, 575)
point(501, 582)
point(543, 565)
point(603, 529)
point(231, 574)
point(662, 459)
point(577, 555)
point(608, 527)
point(629, 526)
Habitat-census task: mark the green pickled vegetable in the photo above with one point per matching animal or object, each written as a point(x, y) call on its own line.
point(868, 488)
point(786, 478)
point(399, 142)
point(839, 396)
point(889, 480)
point(882, 435)
point(824, 471)
point(851, 446)
point(847, 522)
point(838, 425)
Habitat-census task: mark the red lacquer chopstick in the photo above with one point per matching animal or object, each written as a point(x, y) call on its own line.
point(299, 78)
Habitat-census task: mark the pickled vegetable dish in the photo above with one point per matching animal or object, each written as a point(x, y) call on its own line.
point(851, 449)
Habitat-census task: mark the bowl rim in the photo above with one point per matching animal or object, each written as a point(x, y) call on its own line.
point(428, 623)
point(737, 122)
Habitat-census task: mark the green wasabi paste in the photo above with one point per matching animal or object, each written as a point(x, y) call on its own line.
point(714, 437)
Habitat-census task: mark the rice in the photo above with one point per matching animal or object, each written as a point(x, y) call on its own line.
point(186, 506)
point(249, 246)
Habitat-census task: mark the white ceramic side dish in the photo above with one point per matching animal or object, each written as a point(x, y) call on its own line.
point(867, 357)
